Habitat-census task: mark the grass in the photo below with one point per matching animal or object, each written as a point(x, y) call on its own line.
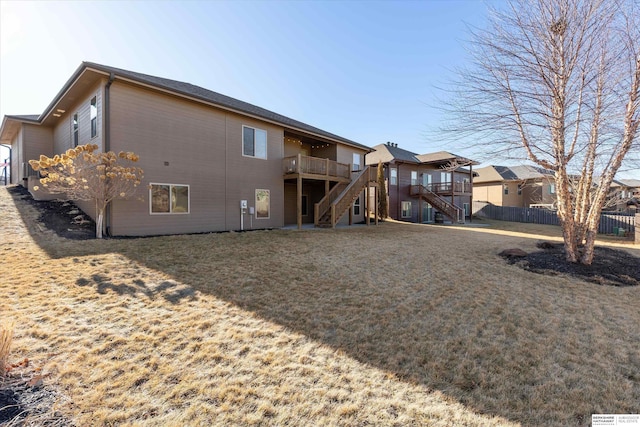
point(6, 334)
point(398, 324)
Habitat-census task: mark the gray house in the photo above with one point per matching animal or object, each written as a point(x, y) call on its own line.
point(211, 162)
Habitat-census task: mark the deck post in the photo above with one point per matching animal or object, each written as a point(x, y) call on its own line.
point(638, 228)
point(326, 168)
point(327, 187)
point(299, 165)
point(366, 206)
point(299, 200)
point(333, 215)
point(471, 191)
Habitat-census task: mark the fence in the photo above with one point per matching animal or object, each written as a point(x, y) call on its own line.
point(610, 222)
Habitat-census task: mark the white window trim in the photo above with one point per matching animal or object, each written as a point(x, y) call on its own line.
point(391, 176)
point(169, 213)
point(402, 215)
point(90, 119)
point(75, 131)
point(414, 181)
point(266, 143)
point(357, 203)
point(359, 164)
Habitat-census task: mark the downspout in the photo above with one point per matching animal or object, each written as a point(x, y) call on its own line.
point(107, 144)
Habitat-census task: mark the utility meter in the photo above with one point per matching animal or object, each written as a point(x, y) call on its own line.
point(243, 204)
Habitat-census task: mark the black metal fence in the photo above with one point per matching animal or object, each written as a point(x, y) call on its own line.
point(621, 224)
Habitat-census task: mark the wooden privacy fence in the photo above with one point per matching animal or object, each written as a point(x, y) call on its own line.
point(622, 224)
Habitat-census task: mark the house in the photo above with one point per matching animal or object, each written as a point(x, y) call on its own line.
point(518, 186)
point(211, 162)
point(624, 195)
point(425, 188)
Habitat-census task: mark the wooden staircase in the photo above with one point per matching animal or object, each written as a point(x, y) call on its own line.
point(454, 213)
point(335, 204)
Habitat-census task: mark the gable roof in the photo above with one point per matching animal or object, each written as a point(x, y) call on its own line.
point(631, 183)
point(218, 99)
point(511, 173)
point(389, 152)
point(444, 156)
point(193, 92)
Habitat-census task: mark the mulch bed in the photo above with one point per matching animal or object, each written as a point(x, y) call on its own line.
point(25, 399)
point(610, 267)
point(59, 216)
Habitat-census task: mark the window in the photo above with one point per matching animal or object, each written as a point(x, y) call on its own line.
point(356, 162)
point(427, 213)
point(445, 177)
point(393, 180)
point(254, 142)
point(465, 207)
point(406, 210)
point(94, 117)
point(263, 204)
point(414, 178)
point(505, 188)
point(75, 130)
point(426, 180)
point(356, 206)
point(305, 205)
point(169, 199)
point(519, 189)
point(552, 188)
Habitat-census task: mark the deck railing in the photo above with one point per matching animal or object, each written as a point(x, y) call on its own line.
point(447, 187)
point(315, 166)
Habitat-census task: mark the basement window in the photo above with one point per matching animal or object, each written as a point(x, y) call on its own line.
point(169, 199)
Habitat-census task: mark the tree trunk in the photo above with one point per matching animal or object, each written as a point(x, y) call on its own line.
point(100, 208)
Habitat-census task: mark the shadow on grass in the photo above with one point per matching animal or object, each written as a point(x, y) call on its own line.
point(169, 290)
point(518, 352)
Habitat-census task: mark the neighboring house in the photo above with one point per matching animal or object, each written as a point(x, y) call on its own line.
point(519, 186)
point(624, 195)
point(425, 187)
point(211, 162)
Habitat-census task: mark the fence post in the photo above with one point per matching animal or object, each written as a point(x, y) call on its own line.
point(637, 226)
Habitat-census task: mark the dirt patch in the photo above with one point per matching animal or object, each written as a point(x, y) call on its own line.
point(611, 267)
point(62, 217)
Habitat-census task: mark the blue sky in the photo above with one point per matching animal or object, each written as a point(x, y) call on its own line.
point(367, 71)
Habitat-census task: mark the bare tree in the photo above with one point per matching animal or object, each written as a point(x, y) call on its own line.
point(81, 174)
point(556, 82)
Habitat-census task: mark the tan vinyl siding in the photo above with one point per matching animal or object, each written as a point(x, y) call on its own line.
point(491, 193)
point(40, 141)
point(181, 142)
point(178, 142)
point(16, 159)
point(63, 130)
point(246, 174)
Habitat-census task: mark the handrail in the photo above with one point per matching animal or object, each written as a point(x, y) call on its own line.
point(448, 187)
point(315, 165)
point(343, 202)
point(324, 204)
point(447, 208)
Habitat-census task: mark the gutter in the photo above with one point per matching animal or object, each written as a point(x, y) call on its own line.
point(107, 143)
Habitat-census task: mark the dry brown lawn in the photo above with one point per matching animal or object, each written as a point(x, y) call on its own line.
point(390, 325)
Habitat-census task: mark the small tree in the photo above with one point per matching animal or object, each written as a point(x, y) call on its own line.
point(383, 208)
point(83, 174)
